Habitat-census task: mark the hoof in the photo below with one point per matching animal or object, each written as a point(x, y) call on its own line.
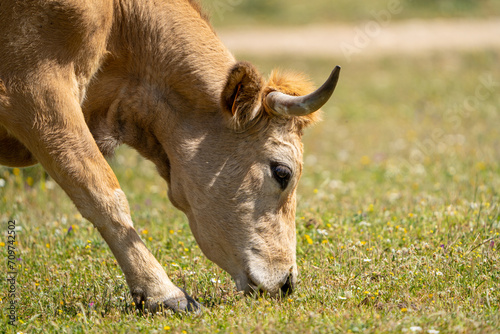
point(181, 304)
point(184, 304)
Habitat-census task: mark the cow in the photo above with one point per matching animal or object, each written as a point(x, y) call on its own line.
point(80, 77)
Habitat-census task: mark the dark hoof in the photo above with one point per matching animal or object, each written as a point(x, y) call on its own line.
point(185, 304)
point(181, 304)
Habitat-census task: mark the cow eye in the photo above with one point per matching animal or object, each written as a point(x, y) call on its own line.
point(282, 174)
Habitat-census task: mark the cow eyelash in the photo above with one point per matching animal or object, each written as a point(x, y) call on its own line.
point(282, 174)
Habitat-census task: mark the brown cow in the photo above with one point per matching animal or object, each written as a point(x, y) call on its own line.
point(80, 77)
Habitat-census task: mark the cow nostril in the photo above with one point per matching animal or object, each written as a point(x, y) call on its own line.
point(288, 286)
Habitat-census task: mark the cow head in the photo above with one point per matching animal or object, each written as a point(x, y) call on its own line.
point(235, 172)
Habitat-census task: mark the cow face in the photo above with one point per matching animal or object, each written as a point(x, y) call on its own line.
point(235, 172)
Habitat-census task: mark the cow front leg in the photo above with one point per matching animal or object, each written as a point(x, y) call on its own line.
point(54, 131)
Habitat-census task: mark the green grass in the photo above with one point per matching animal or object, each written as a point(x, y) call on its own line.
point(397, 222)
point(294, 12)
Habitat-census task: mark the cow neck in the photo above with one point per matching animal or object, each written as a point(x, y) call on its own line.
point(169, 46)
point(166, 63)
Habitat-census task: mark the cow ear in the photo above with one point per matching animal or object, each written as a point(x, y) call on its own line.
point(242, 96)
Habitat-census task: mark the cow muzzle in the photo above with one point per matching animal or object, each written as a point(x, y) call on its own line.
point(256, 284)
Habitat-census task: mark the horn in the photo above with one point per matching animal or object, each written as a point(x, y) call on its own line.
point(288, 105)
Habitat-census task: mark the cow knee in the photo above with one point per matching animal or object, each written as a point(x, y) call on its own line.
point(107, 212)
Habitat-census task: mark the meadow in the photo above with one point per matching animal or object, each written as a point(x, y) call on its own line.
point(398, 219)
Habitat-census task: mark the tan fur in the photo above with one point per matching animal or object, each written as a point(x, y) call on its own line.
point(80, 77)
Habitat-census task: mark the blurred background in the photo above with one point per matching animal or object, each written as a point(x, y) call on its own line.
point(297, 12)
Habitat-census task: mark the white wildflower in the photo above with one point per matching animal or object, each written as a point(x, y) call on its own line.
point(335, 184)
point(393, 197)
point(322, 232)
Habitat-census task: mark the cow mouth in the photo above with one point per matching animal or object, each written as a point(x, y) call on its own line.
point(254, 289)
point(249, 286)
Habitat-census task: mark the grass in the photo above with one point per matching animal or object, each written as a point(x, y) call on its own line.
point(398, 219)
point(296, 12)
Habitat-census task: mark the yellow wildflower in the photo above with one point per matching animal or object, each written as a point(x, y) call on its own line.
point(365, 160)
point(29, 181)
point(480, 166)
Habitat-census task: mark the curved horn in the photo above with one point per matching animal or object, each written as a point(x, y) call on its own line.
point(289, 105)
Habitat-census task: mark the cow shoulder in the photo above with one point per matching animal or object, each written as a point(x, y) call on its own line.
point(59, 31)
